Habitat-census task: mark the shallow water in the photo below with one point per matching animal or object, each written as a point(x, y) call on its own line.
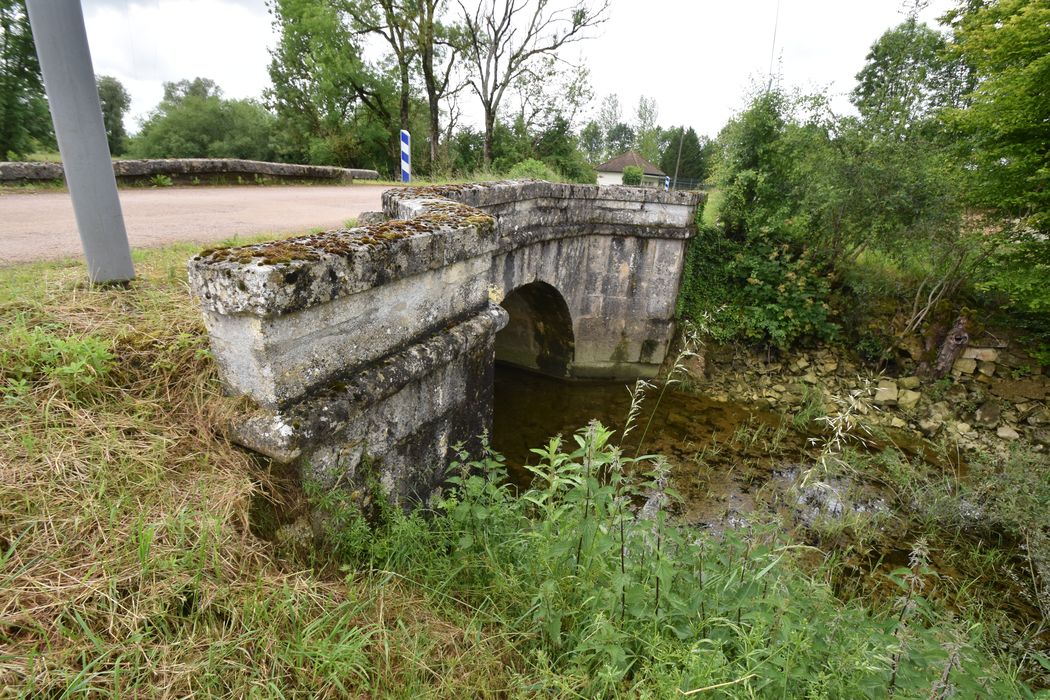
point(734, 464)
point(719, 451)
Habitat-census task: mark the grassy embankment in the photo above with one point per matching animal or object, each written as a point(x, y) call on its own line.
point(128, 564)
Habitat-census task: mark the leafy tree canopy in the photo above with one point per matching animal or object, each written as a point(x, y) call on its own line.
point(1007, 125)
point(25, 123)
point(194, 121)
point(115, 102)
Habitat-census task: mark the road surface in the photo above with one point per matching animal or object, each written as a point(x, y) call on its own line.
point(40, 225)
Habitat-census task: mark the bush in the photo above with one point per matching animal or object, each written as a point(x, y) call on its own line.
point(531, 168)
point(632, 175)
point(759, 290)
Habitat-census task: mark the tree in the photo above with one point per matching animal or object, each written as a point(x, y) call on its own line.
point(548, 91)
point(1005, 137)
point(1007, 125)
point(908, 78)
point(686, 155)
point(392, 20)
point(619, 139)
point(332, 108)
point(609, 115)
point(503, 38)
point(195, 121)
point(115, 102)
point(437, 44)
point(25, 122)
point(201, 88)
point(592, 142)
point(647, 133)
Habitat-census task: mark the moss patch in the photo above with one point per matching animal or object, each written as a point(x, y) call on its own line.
point(440, 215)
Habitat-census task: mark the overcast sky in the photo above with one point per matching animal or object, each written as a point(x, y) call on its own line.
point(695, 57)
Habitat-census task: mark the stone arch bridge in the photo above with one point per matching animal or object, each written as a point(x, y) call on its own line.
point(374, 346)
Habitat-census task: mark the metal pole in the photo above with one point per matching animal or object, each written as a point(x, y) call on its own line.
point(69, 79)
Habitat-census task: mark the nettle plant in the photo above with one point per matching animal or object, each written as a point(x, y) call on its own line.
point(608, 592)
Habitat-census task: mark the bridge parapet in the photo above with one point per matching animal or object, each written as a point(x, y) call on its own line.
point(376, 344)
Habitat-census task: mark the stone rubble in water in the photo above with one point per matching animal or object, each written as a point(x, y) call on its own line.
point(996, 395)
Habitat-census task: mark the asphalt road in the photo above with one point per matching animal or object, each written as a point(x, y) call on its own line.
point(40, 225)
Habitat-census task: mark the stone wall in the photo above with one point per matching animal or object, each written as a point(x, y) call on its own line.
point(369, 351)
point(186, 169)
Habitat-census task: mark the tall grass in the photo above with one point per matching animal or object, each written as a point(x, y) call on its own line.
point(127, 564)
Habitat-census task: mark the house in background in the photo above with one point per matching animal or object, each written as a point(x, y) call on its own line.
point(611, 171)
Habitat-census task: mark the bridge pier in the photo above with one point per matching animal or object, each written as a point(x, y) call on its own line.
point(369, 352)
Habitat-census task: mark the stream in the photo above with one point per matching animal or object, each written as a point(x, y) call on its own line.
point(735, 465)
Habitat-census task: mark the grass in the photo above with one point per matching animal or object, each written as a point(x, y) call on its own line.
point(129, 565)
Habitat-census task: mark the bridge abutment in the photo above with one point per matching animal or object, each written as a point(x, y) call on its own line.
point(370, 351)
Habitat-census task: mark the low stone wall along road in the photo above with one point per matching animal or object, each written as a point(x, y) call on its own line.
point(40, 225)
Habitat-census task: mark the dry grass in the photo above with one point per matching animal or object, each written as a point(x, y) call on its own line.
point(127, 565)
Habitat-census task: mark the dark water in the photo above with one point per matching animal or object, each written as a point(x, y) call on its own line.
point(719, 451)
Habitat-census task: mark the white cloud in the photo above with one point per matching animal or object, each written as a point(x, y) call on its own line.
point(695, 57)
point(144, 44)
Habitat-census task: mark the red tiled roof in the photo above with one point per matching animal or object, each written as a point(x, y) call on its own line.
point(617, 164)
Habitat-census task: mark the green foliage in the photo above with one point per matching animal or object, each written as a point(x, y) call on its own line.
point(33, 356)
point(756, 291)
point(619, 139)
point(782, 297)
point(606, 601)
point(592, 143)
point(332, 107)
point(115, 101)
point(1006, 127)
point(195, 121)
point(632, 175)
point(647, 132)
point(696, 154)
point(908, 77)
point(534, 169)
point(25, 123)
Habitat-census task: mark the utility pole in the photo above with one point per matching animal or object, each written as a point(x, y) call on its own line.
point(69, 80)
point(678, 160)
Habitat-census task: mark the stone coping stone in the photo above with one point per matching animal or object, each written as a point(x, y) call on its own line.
point(279, 277)
point(485, 194)
point(434, 229)
point(284, 434)
point(189, 167)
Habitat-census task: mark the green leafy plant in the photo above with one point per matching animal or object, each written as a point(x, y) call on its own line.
point(632, 175)
point(159, 180)
point(37, 355)
point(535, 169)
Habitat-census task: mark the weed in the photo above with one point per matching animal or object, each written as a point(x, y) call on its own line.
point(160, 180)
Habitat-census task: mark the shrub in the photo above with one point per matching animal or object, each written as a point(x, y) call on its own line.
point(534, 169)
point(632, 175)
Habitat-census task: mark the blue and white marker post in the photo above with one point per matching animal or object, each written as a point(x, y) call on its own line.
point(667, 183)
point(406, 156)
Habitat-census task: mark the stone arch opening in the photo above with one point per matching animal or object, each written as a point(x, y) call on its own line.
point(539, 333)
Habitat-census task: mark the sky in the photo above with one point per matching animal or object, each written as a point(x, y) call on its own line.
point(697, 58)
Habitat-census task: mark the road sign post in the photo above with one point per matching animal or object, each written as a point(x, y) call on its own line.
point(406, 156)
point(69, 79)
